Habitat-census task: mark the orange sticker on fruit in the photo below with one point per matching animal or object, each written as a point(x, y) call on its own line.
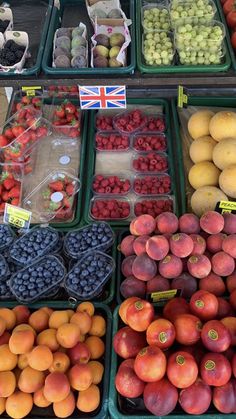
point(16, 216)
point(163, 295)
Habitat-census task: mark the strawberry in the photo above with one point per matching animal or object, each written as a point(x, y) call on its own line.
point(32, 123)
point(2, 207)
point(15, 201)
point(3, 141)
point(8, 182)
point(75, 123)
point(19, 106)
point(56, 186)
point(70, 117)
point(9, 134)
point(59, 112)
point(21, 114)
point(24, 138)
point(0, 189)
point(14, 192)
point(67, 203)
point(61, 214)
point(69, 107)
point(15, 152)
point(25, 100)
point(5, 196)
point(36, 101)
point(73, 133)
point(70, 189)
point(41, 132)
point(18, 130)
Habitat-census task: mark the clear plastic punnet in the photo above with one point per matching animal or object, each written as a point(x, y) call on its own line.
point(54, 197)
point(96, 236)
point(158, 48)
point(129, 122)
point(25, 128)
point(152, 184)
point(89, 275)
point(7, 236)
point(147, 141)
point(11, 180)
point(149, 162)
point(4, 269)
point(197, 12)
point(31, 283)
point(155, 16)
point(37, 242)
point(117, 184)
point(110, 209)
point(111, 141)
point(154, 205)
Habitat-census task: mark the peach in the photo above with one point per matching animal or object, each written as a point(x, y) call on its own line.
point(89, 400)
point(171, 266)
point(40, 358)
point(132, 286)
point(182, 369)
point(230, 223)
point(19, 405)
point(199, 266)
point(212, 283)
point(215, 336)
point(224, 397)
point(80, 377)
point(22, 314)
point(161, 332)
point(8, 360)
point(158, 283)
point(199, 244)
point(66, 407)
point(196, 399)
point(86, 307)
point(139, 244)
point(2, 405)
point(57, 387)
point(39, 399)
point(181, 245)
point(173, 308)
point(144, 224)
point(9, 316)
point(230, 323)
point(97, 371)
point(139, 315)
point(232, 299)
point(23, 361)
point(215, 242)
point(79, 354)
point(189, 224)
point(96, 346)
point(70, 313)
point(2, 325)
point(212, 222)
point(7, 383)
point(68, 335)
point(124, 307)
point(160, 398)
point(127, 342)
point(157, 247)
point(21, 342)
point(126, 246)
point(215, 369)
point(4, 338)
point(127, 383)
point(186, 283)
point(167, 222)
point(224, 308)
point(61, 362)
point(231, 282)
point(222, 264)
point(229, 245)
point(48, 338)
point(187, 328)
point(39, 320)
point(57, 318)
point(204, 305)
point(144, 268)
point(126, 266)
point(98, 327)
point(30, 380)
point(83, 320)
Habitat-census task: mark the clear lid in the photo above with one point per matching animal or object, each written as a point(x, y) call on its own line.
point(154, 205)
point(37, 242)
point(149, 142)
point(89, 275)
point(34, 281)
point(22, 132)
point(155, 16)
point(198, 12)
point(54, 196)
point(96, 236)
point(109, 209)
point(111, 141)
point(149, 162)
point(11, 183)
point(129, 122)
point(116, 184)
point(158, 48)
point(65, 115)
point(152, 184)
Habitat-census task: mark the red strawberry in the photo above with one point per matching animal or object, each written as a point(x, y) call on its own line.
point(3, 141)
point(41, 132)
point(15, 201)
point(9, 134)
point(0, 189)
point(14, 192)
point(19, 106)
point(73, 133)
point(32, 123)
point(70, 189)
point(5, 196)
point(2, 207)
point(36, 101)
point(18, 130)
point(25, 100)
point(56, 186)
point(70, 117)
point(67, 203)
point(9, 183)
point(70, 108)
point(59, 112)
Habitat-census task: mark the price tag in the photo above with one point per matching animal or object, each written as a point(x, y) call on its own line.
point(31, 90)
point(159, 296)
point(16, 216)
point(182, 97)
point(226, 206)
point(102, 97)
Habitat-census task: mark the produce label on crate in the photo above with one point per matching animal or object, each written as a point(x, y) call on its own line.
point(182, 97)
point(159, 296)
point(226, 206)
point(31, 90)
point(16, 216)
point(102, 97)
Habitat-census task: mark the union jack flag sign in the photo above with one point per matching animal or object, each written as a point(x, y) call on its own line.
point(102, 97)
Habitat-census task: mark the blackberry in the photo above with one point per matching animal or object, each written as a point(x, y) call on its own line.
point(19, 54)
point(3, 25)
point(11, 58)
point(96, 236)
point(9, 44)
point(89, 275)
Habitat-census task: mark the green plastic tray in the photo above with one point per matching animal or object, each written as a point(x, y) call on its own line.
point(92, 155)
point(217, 101)
point(102, 412)
point(172, 68)
point(227, 30)
point(36, 68)
point(57, 20)
point(113, 402)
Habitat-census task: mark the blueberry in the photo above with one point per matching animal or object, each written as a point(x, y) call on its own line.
point(6, 236)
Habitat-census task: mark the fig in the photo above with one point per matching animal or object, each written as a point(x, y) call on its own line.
point(100, 51)
point(114, 51)
point(62, 61)
point(113, 62)
point(99, 13)
point(63, 32)
point(78, 41)
point(102, 40)
point(78, 51)
point(63, 42)
point(100, 62)
point(77, 31)
point(117, 39)
point(61, 51)
point(79, 62)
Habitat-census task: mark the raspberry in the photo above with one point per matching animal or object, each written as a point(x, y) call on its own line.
point(111, 185)
point(149, 142)
point(111, 141)
point(153, 207)
point(152, 162)
point(111, 209)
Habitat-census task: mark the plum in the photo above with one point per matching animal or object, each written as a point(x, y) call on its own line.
point(186, 283)
point(157, 247)
point(144, 268)
point(158, 283)
point(126, 266)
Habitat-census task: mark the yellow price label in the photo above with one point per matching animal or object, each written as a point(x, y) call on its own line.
point(163, 295)
point(16, 221)
point(182, 97)
point(16, 216)
point(226, 206)
point(30, 90)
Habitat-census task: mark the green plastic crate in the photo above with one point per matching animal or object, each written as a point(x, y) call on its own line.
point(212, 101)
point(33, 71)
point(173, 68)
point(113, 401)
point(102, 411)
point(57, 20)
point(227, 30)
point(92, 155)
